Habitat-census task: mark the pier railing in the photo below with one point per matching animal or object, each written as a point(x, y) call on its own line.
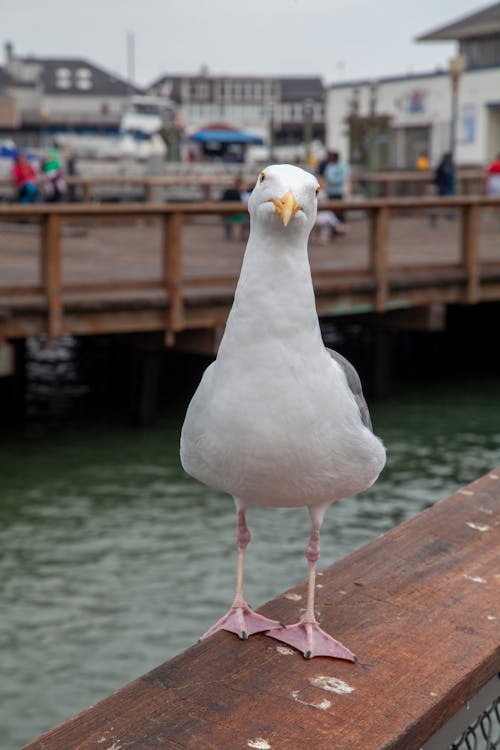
point(173, 302)
point(208, 187)
point(418, 605)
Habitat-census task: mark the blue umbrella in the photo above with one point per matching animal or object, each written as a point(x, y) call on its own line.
point(8, 152)
point(225, 136)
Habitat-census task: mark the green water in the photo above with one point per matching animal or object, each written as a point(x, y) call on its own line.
point(112, 560)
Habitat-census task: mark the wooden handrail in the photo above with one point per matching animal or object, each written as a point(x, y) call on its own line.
point(417, 605)
point(137, 210)
point(386, 179)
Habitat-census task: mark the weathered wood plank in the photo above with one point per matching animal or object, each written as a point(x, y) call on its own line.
point(420, 608)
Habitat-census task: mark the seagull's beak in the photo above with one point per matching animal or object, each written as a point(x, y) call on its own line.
point(286, 207)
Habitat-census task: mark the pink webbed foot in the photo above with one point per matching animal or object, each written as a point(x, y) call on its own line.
point(242, 620)
point(308, 637)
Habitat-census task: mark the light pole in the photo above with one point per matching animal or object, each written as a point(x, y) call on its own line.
point(271, 132)
point(456, 68)
point(307, 126)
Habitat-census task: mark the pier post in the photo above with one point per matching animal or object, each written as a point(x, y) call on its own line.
point(379, 254)
point(145, 385)
point(381, 364)
point(172, 273)
point(52, 271)
point(470, 250)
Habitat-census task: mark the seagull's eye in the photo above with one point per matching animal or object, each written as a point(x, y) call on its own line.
point(317, 190)
point(262, 177)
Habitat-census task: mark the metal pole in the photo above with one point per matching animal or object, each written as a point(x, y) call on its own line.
point(307, 128)
point(131, 58)
point(457, 67)
point(453, 131)
point(271, 133)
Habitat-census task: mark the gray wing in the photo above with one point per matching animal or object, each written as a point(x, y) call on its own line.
point(354, 384)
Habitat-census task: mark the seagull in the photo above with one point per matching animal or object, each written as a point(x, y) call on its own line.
point(278, 419)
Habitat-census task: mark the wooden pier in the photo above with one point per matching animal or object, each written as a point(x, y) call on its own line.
point(115, 268)
point(209, 186)
point(419, 606)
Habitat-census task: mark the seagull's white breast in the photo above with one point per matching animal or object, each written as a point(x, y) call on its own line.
point(296, 440)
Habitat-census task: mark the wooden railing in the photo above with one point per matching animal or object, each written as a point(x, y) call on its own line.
point(469, 182)
point(419, 606)
point(91, 188)
point(54, 307)
point(412, 182)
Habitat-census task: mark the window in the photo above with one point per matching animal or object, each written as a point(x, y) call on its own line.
point(63, 78)
point(83, 79)
point(202, 91)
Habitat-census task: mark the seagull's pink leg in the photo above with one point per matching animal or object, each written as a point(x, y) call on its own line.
point(306, 635)
point(241, 618)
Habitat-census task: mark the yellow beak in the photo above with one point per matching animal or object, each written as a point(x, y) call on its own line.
point(286, 207)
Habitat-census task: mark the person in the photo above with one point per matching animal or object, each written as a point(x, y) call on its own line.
point(234, 193)
point(327, 223)
point(444, 181)
point(54, 186)
point(443, 175)
point(25, 179)
point(336, 176)
point(492, 177)
point(422, 162)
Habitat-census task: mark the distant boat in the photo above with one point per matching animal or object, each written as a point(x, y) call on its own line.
point(141, 124)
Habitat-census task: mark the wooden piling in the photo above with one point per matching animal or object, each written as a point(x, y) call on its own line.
point(51, 271)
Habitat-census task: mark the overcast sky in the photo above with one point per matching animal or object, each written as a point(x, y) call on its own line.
point(336, 39)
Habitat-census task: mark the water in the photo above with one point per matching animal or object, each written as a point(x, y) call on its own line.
point(112, 560)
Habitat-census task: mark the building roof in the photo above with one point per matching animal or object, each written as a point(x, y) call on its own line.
point(359, 82)
point(355, 83)
point(77, 76)
point(485, 22)
point(292, 87)
point(301, 88)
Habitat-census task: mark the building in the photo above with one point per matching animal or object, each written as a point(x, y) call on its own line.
point(44, 98)
point(284, 111)
point(390, 121)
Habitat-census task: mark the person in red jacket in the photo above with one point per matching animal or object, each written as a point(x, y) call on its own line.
point(492, 177)
point(24, 177)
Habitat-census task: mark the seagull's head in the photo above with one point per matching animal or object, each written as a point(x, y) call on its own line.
point(284, 199)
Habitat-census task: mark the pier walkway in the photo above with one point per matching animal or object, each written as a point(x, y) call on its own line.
point(419, 606)
point(116, 268)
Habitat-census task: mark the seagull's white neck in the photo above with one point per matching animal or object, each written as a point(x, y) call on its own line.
point(275, 295)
